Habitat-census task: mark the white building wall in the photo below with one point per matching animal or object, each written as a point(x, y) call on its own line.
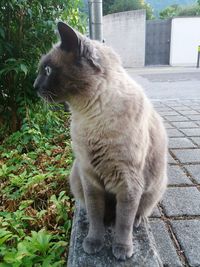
point(125, 32)
point(185, 38)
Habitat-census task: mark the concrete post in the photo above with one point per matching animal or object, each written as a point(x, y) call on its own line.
point(95, 19)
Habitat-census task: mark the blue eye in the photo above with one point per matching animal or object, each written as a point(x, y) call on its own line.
point(48, 70)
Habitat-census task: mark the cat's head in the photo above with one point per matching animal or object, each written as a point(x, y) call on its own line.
point(71, 67)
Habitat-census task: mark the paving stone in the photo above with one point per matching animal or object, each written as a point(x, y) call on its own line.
point(145, 252)
point(188, 236)
point(181, 201)
point(189, 112)
point(194, 117)
point(163, 109)
point(164, 244)
point(177, 176)
point(156, 213)
point(170, 113)
point(174, 105)
point(187, 155)
point(177, 118)
point(168, 125)
point(191, 132)
point(174, 133)
point(196, 140)
point(197, 122)
point(170, 159)
point(181, 108)
point(187, 102)
point(180, 142)
point(184, 124)
point(194, 170)
point(158, 104)
point(196, 107)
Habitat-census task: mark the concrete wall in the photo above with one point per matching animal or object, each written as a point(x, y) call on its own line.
point(125, 32)
point(185, 37)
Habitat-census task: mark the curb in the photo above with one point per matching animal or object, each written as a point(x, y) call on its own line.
point(145, 252)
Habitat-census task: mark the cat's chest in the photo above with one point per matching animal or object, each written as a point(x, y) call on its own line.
point(83, 136)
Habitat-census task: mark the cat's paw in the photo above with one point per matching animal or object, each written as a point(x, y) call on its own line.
point(138, 220)
point(92, 245)
point(121, 251)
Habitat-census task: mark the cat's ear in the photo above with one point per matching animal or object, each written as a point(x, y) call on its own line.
point(71, 41)
point(69, 38)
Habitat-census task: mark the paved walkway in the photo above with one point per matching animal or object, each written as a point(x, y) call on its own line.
point(168, 82)
point(176, 221)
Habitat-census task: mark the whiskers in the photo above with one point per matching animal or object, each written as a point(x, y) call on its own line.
point(48, 98)
point(45, 103)
point(51, 93)
point(52, 100)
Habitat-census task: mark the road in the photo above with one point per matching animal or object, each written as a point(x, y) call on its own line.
point(168, 82)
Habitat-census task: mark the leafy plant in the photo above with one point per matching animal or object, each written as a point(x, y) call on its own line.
point(113, 6)
point(38, 249)
point(170, 12)
point(63, 206)
point(27, 30)
point(35, 149)
point(177, 11)
point(36, 207)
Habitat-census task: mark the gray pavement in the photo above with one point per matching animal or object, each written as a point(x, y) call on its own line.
point(168, 83)
point(177, 230)
point(176, 95)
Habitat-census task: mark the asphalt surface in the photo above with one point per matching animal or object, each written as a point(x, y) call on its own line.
point(168, 82)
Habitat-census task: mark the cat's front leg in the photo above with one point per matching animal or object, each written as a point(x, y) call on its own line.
point(127, 204)
point(95, 205)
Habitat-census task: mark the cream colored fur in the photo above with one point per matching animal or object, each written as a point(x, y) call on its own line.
point(118, 139)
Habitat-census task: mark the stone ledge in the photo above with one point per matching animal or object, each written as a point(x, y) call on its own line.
point(145, 253)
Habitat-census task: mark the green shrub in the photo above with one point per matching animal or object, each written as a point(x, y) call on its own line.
point(36, 207)
point(27, 30)
point(114, 6)
point(180, 11)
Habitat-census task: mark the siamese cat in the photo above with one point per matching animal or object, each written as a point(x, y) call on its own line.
point(118, 139)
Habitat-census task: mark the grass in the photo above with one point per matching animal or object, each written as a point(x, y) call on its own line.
point(36, 207)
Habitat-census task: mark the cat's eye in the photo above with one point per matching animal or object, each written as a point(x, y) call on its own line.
point(48, 70)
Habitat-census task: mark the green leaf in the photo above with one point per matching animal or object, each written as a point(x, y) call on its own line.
point(24, 68)
point(10, 257)
point(4, 235)
point(2, 33)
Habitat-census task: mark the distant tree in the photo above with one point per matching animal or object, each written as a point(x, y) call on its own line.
point(193, 10)
point(159, 5)
point(170, 11)
point(106, 6)
point(118, 6)
point(178, 11)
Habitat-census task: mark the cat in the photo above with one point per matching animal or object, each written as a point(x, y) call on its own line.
point(119, 140)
